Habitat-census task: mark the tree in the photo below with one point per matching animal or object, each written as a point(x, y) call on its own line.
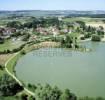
point(48, 93)
point(81, 23)
point(100, 32)
point(67, 95)
point(78, 30)
point(1, 40)
point(16, 34)
point(103, 21)
point(28, 24)
point(15, 24)
point(100, 98)
point(96, 37)
point(32, 98)
point(26, 37)
point(82, 38)
point(101, 28)
point(1, 67)
point(68, 41)
point(8, 86)
point(23, 52)
point(87, 35)
point(24, 96)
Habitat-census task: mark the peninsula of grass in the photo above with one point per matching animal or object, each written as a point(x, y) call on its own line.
point(11, 64)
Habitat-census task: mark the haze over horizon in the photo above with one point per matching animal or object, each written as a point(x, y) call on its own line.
point(83, 5)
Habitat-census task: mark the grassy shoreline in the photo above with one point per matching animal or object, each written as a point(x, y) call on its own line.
point(28, 48)
point(11, 64)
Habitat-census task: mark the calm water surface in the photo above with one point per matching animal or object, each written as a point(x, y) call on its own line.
point(83, 73)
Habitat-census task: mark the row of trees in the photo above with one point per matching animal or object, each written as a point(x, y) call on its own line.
point(48, 93)
point(44, 22)
point(9, 87)
point(90, 98)
point(12, 51)
point(69, 41)
point(90, 32)
point(15, 24)
point(96, 37)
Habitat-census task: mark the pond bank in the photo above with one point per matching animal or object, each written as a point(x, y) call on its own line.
point(73, 70)
point(13, 75)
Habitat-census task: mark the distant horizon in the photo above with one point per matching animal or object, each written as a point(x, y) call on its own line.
point(48, 10)
point(79, 5)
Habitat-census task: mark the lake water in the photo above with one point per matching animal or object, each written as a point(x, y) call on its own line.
point(83, 73)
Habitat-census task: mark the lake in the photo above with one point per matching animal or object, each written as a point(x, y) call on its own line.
point(83, 73)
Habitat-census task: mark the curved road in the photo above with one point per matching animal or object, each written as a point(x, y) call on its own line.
point(14, 77)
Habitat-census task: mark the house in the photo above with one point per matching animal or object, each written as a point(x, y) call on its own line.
point(48, 31)
point(42, 31)
point(6, 32)
point(1, 31)
point(9, 31)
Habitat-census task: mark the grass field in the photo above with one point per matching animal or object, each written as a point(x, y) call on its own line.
point(84, 19)
point(4, 58)
point(9, 44)
point(12, 63)
point(96, 24)
point(2, 72)
point(4, 21)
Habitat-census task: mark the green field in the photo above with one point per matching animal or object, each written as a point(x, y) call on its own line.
point(4, 21)
point(12, 62)
point(85, 19)
point(9, 44)
point(1, 72)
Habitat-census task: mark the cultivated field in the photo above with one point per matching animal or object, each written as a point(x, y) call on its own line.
point(4, 58)
point(96, 24)
point(84, 19)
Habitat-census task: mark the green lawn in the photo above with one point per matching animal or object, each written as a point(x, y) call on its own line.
point(4, 21)
point(2, 72)
point(74, 34)
point(9, 44)
point(85, 19)
point(9, 98)
point(12, 63)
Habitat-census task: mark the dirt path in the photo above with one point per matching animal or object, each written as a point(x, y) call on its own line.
point(14, 77)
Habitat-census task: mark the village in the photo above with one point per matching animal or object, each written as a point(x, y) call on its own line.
point(18, 39)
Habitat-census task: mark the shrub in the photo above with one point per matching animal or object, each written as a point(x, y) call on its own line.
point(96, 37)
point(8, 86)
point(87, 35)
point(82, 38)
point(1, 41)
point(24, 96)
point(32, 98)
point(23, 52)
point(1, 67)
